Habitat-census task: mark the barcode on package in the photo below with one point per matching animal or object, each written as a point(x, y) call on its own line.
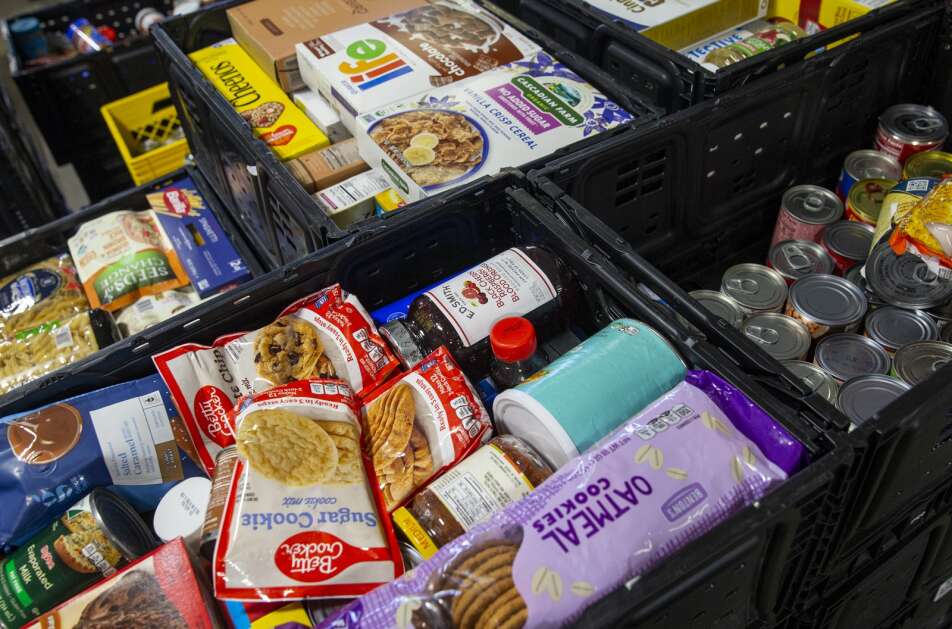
point(63, 337)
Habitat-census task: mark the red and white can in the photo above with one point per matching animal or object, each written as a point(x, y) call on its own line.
point(848, 243)
point(905, 130)
point(804, 212)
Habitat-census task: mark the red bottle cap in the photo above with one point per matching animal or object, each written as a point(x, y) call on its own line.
point(513, 339)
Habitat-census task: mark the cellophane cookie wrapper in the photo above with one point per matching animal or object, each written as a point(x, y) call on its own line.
point(302, 519)
point(505, 117)
point(421, 424)
point(662, 479)
point(327, 334)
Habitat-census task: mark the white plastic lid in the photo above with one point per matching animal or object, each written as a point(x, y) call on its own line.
point(519, 414)
point(181, 512)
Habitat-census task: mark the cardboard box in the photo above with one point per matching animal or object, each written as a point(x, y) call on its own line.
point(273, 117)
point(322, 114)
point(328, 166)
point(161, 589)
point(506, 117)
point(818, 15)
point(269, 29)
point(365, 67)
point(352, 200)
point(210, 260)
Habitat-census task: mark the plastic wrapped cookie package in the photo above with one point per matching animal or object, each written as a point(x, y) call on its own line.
point(672, 472)
point(327, 334)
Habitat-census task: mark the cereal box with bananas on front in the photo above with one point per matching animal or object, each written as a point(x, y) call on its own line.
point(506, 117)
point(363, 67)
point(274, 118)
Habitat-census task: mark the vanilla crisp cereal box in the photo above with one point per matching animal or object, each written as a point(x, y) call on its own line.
point(367, 66)
point(505, 117)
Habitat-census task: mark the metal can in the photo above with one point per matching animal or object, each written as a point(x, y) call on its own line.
point(815, 378)
point(847, 242)
point(827, 303)
point(781, 336)
point(804, 212)
point(905, 280)
point(755, 288)
point(942, 314)
point(221, 481)
point(846, 355)
point(866, 199)
point(85, 37)
point(91, 541)
point(861, 398)
point(915, 362)
point(936, 164)
point(865, 164)
point(855, 275)
point(719, 304)
point(908, 129)
point(894, 327)
point(794, 259)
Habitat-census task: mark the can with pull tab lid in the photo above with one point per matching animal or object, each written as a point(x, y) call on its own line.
point(847, 242)
point(781, 336)
point(894, 327)
point(755, 288)
point(865, 199)
point(905, 280)
point(905, 130)
point(804, 212)
point(719, 304)
point(866, 164)
point(846, 355)
point(917, 362)
point(794, 259)
point(818, 380)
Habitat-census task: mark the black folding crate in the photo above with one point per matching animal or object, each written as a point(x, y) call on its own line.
point(40, 243)
point(269, 200)
point(670, 80)
point(734, 575)
point(65, 97)
point(700, 191)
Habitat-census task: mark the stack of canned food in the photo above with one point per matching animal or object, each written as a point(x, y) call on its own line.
point(874, 323)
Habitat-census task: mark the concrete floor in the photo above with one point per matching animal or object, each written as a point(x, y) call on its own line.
point(65, 176)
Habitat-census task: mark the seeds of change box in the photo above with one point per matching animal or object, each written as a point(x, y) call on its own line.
point(506, 117)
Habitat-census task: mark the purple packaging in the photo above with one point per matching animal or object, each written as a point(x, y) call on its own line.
point(662, 479)
point(210, 260)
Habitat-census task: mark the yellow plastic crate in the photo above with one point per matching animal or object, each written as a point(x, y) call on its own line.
point(139, 120)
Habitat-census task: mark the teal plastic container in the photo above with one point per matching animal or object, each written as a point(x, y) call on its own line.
point(581, 397)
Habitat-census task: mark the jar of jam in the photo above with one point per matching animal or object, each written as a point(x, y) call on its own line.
point(524, 281)
point(499, 473)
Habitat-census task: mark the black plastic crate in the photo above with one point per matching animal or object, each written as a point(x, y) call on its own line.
point(736, 575)
point(65, 97)
point(700, 191)
point(40, 243)
point(884, 594)
point(270, 201)
point(666, 78)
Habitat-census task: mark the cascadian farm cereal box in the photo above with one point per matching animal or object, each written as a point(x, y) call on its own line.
point(506, 117)
point(367, 66)
point(276, 120)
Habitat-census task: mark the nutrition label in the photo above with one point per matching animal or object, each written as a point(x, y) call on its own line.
point(482, 484)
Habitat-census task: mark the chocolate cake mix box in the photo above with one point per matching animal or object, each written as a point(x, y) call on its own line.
point(161, 589)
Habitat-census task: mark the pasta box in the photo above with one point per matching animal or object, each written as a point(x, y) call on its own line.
point(162, 589)
point(203, 248)
point(452, 135)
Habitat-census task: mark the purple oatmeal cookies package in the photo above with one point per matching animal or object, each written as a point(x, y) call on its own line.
point(662, 479)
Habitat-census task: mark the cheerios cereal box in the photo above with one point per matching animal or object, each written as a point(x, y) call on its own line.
point(506, 117)
point(275, 120)
point(367, 66)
